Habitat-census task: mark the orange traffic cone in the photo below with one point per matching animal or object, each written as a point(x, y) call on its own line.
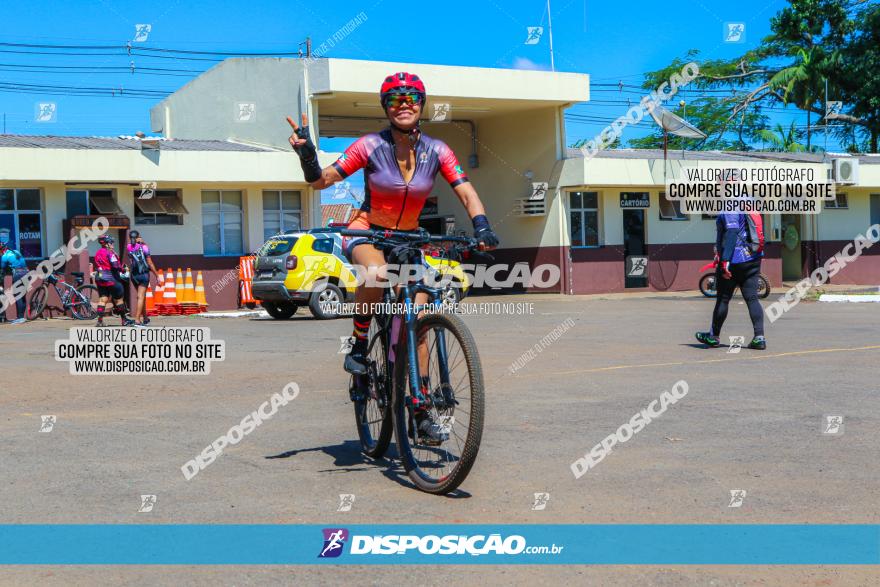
point(200, 292)
point(189, 291)
point(151, 303)
point(159, 295)
point(170, 295)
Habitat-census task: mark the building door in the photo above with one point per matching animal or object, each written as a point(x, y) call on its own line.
point(635, 257)
point(792, 263)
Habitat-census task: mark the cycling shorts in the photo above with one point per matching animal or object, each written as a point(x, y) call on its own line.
point(114, 291)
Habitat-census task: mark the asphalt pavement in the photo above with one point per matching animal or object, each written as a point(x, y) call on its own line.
point(751, 421)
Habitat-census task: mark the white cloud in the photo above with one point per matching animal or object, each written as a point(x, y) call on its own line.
point(523, 63)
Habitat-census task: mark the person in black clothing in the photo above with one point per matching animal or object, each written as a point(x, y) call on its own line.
point(738, 265)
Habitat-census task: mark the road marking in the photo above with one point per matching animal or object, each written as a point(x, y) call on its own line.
point(747, 358)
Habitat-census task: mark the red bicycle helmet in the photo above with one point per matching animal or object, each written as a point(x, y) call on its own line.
point(402, 83)
point(106, 239)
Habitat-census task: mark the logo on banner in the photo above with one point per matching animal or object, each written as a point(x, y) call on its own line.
point(334, 540)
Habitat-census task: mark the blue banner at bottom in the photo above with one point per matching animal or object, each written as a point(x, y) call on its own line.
point(611, 544)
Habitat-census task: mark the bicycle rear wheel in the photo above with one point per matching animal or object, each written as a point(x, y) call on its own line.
point(763, 286)
point(84, 302)
point(372, 411)
point(456, 402)
point(37, 304)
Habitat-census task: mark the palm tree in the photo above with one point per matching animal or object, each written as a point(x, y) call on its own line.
point(803, 83)
point(782, 140)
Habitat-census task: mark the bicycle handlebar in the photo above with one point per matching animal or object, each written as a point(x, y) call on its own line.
point(413, 237)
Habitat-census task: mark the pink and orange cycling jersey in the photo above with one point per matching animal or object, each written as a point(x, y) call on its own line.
point(389, 201)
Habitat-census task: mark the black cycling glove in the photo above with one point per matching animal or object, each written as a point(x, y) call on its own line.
point(483, 232)
point(308, 156)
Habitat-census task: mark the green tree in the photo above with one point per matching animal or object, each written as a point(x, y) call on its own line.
point(811, 42)
point(782, 139)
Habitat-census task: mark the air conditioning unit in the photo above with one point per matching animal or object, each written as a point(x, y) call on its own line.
point(527, 207)
point(845, 170)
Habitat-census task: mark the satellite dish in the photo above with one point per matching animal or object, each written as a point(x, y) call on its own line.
point(674, 124)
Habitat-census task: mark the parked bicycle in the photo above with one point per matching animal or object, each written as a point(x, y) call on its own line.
point(80, 299)
point(708, 288)
point(403, 348)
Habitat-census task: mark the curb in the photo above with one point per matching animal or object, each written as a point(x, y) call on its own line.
point(849, 298)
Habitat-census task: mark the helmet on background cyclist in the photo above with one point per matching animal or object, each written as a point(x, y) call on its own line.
point(105, 239)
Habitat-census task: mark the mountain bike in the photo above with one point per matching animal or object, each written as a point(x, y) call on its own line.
point(422, 358)
point(707, 282)
point(80, 299)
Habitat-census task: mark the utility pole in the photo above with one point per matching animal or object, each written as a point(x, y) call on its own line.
point(825, 155)
point(550, 27)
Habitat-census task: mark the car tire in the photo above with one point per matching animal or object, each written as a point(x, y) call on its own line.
point(325, 293)
point(281, 311)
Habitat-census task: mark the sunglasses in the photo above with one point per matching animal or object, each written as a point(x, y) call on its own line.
point(398, 100)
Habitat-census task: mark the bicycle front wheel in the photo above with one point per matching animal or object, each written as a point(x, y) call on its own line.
point(84, 303)
point(372, 410)
point(451, 378)
point(707, 285)
point(37, 304)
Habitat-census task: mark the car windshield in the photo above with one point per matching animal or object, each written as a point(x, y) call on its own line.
point(277, 246)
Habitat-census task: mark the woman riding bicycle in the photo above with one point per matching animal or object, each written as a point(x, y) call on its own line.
point(400, 164)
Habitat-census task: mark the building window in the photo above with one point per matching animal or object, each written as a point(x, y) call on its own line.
point(222, 222)
point(584, 217)
point(282, 212)
point(670, 210)
point(838, 203)
point(92, 203)
point(21, 221)
point(875, 209)
point(165, 207)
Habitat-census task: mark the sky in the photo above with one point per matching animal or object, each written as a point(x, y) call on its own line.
point(611, 41)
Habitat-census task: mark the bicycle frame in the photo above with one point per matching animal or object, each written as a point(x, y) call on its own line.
point(406, 296)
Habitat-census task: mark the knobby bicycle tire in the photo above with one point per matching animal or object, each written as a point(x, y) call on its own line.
point(456, 327)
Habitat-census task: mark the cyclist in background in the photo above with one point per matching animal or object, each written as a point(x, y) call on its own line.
point(400, 165)
point(110, 275)
point(141, 264)
point(11, 261)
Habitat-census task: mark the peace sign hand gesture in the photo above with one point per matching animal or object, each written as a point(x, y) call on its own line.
point(299, 136)
point(304, 147)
